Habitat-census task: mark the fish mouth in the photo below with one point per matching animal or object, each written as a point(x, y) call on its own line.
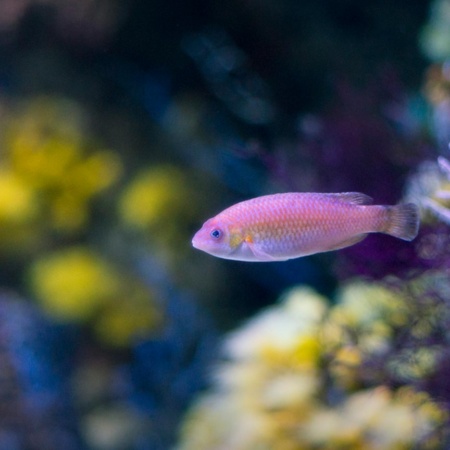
point(195, 242)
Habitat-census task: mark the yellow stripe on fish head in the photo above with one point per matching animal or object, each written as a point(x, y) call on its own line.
point(236, 238)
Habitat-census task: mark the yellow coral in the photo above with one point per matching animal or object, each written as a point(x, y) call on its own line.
point(73, 284)
point(363, 304)
point(417, 363)
point(345, 365)
point(280, 330)
point(377, 418)
point(272, 391)
point(367, 313)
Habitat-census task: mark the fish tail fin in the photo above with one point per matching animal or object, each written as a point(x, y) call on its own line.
point(403, 221)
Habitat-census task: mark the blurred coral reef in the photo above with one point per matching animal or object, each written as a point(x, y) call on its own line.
point(125, 125)
point(44, 157)
point(35, 408)
point(303, 374)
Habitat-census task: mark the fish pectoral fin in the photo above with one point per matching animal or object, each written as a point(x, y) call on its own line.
point(347, 243)
point(261, 255)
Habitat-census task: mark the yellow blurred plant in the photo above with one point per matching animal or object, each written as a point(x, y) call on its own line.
point(51, 170)
point(163, 202)
point(159, 210)
point(77, 285)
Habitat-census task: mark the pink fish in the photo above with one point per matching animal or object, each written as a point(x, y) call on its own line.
point(285, 226)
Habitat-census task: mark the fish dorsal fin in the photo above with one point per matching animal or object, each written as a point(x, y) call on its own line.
point(353, 197)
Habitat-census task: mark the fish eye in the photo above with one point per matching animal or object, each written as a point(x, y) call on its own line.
point(216, 233)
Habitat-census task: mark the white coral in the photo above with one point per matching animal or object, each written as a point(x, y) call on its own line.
point(429, 187)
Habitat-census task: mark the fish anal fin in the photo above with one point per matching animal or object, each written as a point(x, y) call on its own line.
point(347, 243)
point(356, 198)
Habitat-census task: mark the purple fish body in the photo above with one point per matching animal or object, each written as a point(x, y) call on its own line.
point(285, 226)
